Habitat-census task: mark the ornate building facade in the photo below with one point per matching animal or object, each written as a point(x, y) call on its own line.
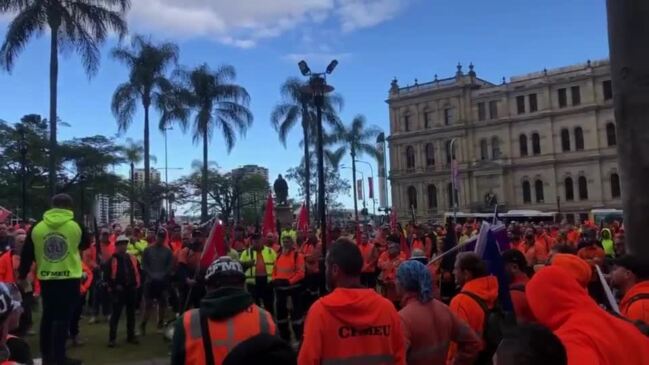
point(542, 141)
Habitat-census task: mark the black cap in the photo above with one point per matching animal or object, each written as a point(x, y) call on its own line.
point(514, 256)
point(637, 266)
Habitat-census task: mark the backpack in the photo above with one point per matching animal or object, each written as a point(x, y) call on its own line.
point(642, 326)
point(494, 327)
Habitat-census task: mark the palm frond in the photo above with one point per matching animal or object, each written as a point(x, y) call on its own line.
point(31, 20)
point(124, 105)
point(335, 157)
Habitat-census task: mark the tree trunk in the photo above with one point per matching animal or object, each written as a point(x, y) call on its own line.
point(204, 180)
point(354, 184)
point(628, 34)
point(307, 163)
point(54, 77)
point(132, 209)
point(147, 167)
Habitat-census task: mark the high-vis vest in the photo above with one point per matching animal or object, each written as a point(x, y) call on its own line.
point(224, 335)
point(56, 248)
point(250, 255)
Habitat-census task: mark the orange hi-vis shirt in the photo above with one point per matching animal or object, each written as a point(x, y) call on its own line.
point(634, 307)
point(289, 266)
point(352, 326)
point(370, 257)
point(389, 266)
point(225, 334)
point(592, 254)
point(312, 254)
point(7, 274)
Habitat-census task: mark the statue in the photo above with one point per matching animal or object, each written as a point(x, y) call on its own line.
point(281, 191)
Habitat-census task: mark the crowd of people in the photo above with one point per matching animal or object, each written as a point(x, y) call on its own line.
point(383, 294)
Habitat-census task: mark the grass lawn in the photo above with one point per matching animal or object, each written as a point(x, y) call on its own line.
point(96, 351)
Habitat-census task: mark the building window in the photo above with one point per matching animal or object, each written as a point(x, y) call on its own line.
point(563, 98)
point(430, 155)
point(569, 189)
point(495, 148)
point(520, 104)
point(432, 197)
point(579, 139)
point(448, 116)
point(412, 197)
point(451, 199)
point(522, 141)
point(583, 188)
point(406, 123)
point(611, 137)
point(482, 112)
point(616, 192)
point(527, 193)
point(536, 144)
point(538, 191)
point(426, 120)
point(607, 89)
point(484, 149)
point(575, 92)
point(534, 104)
point(565, 140)
point(449, 153)
point(410, 157)
point(493, 109)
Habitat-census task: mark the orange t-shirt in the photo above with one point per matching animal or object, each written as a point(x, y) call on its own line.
point(260, 266)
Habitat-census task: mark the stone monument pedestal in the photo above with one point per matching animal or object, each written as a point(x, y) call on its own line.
point(284, 215)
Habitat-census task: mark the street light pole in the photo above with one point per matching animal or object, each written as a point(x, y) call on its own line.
point(23, 171)
point(453, 178)
point(371, 187)
point(164, 130)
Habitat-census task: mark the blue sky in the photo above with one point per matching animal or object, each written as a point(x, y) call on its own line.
point(374, 41)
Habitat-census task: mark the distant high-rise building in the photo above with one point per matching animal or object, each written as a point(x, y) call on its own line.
point(154, 176)
point(249, 170)
point(110, 209)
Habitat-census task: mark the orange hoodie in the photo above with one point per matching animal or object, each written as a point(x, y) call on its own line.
point(576, 266)
point(561, 304)
point(639, 309)
point(353, 325)
point(467, 309)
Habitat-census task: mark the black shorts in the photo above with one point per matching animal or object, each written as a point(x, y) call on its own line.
point(155, 289)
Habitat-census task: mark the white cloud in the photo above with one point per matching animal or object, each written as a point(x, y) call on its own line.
point(243, 23)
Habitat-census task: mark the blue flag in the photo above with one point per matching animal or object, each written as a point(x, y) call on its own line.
point(488, 248)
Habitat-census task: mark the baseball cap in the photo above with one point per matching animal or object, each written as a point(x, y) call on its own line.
point(222, 267)
point(122, 238)
point(514, 256)
point(637, 266)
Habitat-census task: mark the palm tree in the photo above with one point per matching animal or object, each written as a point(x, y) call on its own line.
point(218, 103)
point(133, 152)
point(149, 85)
point(298, 105)
point(358, 139)
point(81, 25)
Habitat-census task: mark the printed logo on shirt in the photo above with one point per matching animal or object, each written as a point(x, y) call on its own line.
point(349, 331)
point(55, 247)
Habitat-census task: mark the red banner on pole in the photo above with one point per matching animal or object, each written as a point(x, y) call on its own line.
point(359, 189)
point(269, 217)
point(370, 192)
point(302, 223)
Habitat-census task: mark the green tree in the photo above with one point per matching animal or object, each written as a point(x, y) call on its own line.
point(218, 103)
point(148, 84)
point(357, 138)
point(296, 105)
point(80, 25)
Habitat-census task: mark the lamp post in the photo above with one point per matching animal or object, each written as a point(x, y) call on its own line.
point(23, 171)
point(371, 187)
point(318, 88)
point(454, 173)
point(164, 131)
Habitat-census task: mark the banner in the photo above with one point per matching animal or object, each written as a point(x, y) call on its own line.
point(214, 246)
point(370, 192)
point(269, 217)
point(359, 189)
point(302, 220)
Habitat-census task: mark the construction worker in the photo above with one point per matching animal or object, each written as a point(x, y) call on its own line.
point(352, 324)
point(288, 274)
point(312, 251)
point(258, 261)
point(191, 289)
point(136, 244)
point(123, 278)
point(389, 262)
point(227, 317)
point(86, 282)
point(630, 276)
point(56, 243)
point(370, 254)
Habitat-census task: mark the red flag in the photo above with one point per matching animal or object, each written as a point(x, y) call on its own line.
point(359, 189)
point(269, 217)
point(4, 214)
point(302, 223)
point(370, 192)
point(214, 246)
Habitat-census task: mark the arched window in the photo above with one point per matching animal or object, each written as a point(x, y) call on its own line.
point(522, 141)
point(579, 139)
point(410, 157)
point(565, 140)
point(430, 154)
point(536, 144)
point(449, 153)
point(538, 191)
point(583, 188)
point(527, 193)
point(484, 149)
point(615, 186)
point(569, 189)
point(611, 137)
point(412, 197)
point(432, 197)
point(495, 148)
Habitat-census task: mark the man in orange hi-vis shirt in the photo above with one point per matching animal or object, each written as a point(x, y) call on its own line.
point(352, 324)
point(288, 275)
point(389, 262)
